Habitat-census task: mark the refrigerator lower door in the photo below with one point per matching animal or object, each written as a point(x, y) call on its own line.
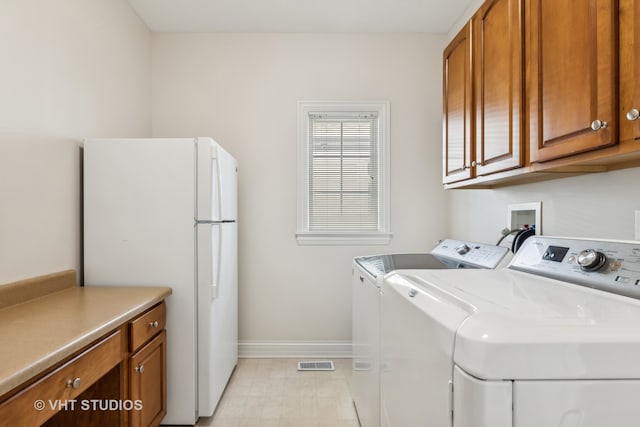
point(217, 311)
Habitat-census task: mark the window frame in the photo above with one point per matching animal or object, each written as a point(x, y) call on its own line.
point(303, 235)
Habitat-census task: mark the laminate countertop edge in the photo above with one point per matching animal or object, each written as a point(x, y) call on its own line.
point(38, 334)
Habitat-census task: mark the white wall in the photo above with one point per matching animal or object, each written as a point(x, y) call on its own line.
point(242, 89)
point(598, 205)
point(69, 69)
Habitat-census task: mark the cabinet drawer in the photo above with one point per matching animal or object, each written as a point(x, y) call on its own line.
point(147, 325)
point(38, 402)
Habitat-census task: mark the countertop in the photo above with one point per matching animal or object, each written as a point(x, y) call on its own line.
point(39, 333)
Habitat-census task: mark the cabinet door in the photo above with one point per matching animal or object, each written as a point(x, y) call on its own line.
point(457, 119)
point(498, 85)
point(571, 77)
point(148, 380)
point(629, 65)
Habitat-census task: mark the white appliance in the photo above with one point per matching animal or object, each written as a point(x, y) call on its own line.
point(163, 212)
point(367, 276)
point(551, 341)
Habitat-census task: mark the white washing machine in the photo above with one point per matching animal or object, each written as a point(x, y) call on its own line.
point(551, 341)
point(368, 274)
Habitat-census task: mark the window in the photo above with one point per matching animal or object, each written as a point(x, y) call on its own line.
point(343, 179)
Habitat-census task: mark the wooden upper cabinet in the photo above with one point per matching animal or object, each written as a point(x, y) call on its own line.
point(498, 84)
point(629, 111)
point(457, 120)
point(571, 76)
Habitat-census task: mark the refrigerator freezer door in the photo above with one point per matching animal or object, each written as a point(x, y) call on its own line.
point(217, 182)
point(228, 181)
point(217, 311)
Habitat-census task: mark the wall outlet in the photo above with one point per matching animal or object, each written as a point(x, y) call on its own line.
point(637, 234)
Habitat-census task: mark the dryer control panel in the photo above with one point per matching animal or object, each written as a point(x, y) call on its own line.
point(612, 266)
point(469, 253)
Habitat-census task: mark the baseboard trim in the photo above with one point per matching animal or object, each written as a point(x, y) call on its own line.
point(294, 349)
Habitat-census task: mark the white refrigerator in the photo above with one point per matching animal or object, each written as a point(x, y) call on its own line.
point(162, 212)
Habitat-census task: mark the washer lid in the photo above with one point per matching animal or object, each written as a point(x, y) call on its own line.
point(379, 265)
point(530, 327)
point(448, 254)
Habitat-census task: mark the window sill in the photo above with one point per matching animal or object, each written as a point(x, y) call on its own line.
point(342, 239)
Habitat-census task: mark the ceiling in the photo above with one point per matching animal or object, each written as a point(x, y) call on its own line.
point(305, 16)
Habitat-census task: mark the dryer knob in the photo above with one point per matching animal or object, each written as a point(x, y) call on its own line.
point(591, 260)
point(463, 249)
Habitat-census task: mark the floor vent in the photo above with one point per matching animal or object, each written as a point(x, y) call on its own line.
point(317, 365)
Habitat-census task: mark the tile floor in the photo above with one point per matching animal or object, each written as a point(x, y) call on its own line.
point(273, 393)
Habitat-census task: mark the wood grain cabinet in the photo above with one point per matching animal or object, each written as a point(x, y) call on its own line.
point(498, 86)
point(457, 123)
point(572, 73)
point(483, 94)
point(66, 384)
point(554, 92)
point(128, 366)
point(148, 367)
point(629, 107)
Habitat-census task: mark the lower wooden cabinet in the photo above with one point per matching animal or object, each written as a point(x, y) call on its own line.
point(148, 382)
point(120, 380)
point(61, 389)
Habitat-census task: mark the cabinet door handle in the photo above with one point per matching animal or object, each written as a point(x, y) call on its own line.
point(599, 124)
point(139, 369)
point(633, 114)
point(74, 384)
point(153, 324)
point(362, 279)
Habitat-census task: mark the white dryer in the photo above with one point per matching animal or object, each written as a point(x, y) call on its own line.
point(525, 346)
point(367, 275)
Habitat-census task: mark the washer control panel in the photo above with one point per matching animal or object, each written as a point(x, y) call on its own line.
point(612, 266)
point(476, 254)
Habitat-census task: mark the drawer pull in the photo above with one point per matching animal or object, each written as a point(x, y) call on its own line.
point(153, 324)
point(74, 384)
point(599, 124)
point(139, 369)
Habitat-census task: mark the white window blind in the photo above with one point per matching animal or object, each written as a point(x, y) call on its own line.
point(343, 172)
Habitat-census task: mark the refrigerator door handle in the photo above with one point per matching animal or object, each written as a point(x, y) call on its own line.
point(206, 221)
point(216, 249)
